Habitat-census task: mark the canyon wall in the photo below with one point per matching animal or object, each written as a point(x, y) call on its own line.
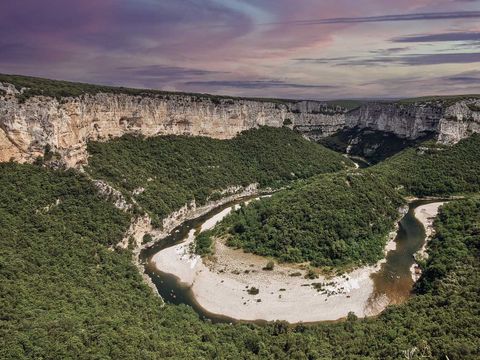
point(65, 126)
point(450, 121)
point(459, 121)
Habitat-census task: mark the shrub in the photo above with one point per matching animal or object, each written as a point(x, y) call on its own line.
point(147, 238)
point(270, 265)
point(203, 243)
point(253, 291)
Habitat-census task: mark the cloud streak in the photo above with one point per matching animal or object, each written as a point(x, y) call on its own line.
point(388, 18)
point(164, 71)
point(471, 77)
point(451, 36)
point(411, 60)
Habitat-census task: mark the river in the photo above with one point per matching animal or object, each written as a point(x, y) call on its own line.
point(392, 282)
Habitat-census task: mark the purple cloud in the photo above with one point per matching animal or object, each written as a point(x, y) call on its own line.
point(411, 59)
point(163, 71)
point(469, 77)
point(451, 36)
point(123, 25)
point(240, 47)
point(390, 18)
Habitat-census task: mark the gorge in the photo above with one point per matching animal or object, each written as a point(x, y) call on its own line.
point(218, 287)
point(66, 121)
point(97, 180)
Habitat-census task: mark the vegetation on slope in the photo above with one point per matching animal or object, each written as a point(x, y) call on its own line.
point(435, 170)
point(174, 170)
point(445, 100)
point(66, 295)
point(35, 86)
point(332, 220)
point(442, 320)
point(343, 220)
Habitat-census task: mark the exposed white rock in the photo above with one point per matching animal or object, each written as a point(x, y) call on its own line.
point(460, 121)
point(138, 191)
point(406, 121)
point(449, 123)
point(112, 194)
point(68, 124)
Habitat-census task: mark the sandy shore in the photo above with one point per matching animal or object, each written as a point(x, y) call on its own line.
point(426, 214)
point(220, 285)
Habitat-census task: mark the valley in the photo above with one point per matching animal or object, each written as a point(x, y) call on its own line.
point(218, 287)
point(130, 221)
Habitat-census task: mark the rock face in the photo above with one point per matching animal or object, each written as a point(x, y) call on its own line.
point(65, 126)
point(448, 122)
point(459, 121)
point(410, 121)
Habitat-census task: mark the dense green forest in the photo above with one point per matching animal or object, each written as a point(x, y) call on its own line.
point(174, 170)
point(337, 219)
point(65, 294)
point(432, 169)
point(343, 219)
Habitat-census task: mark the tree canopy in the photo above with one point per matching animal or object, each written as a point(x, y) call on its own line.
point(174, 170)
point(65, 294)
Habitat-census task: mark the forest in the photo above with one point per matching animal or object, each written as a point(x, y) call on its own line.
point(174, 170)
point(66, 294)
point(373, 146)
point(339, 220)
point(343, 219)
point(432, 169)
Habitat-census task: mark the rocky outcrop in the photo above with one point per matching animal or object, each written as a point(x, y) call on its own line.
point(28, 128)
point(407, 121)
point(113, 195)
point(142, 225)
point(67, 125)
point(448, 121)
point(459, 121)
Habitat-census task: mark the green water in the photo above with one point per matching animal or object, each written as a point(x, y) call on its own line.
point(393, 280)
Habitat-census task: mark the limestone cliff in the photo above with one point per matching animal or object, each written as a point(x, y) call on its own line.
point(459, 121)
point(67, 125)
point(448, 120)
point(30, 125)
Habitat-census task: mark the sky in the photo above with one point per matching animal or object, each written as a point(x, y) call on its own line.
point(305, 49)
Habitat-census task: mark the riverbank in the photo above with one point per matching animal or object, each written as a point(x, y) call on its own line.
point(233, 283)
point(142, 225)
point(426, 214)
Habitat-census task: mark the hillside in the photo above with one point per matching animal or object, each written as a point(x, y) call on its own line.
point(167, 172)
point(38, 114)
point(35, 86)
point(435, 170)
point(66, 295)
point(336, 220)
point(68, 292)
point(344, 219)
point(373, 146)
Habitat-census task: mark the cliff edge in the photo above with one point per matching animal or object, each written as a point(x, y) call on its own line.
point(64, 119)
